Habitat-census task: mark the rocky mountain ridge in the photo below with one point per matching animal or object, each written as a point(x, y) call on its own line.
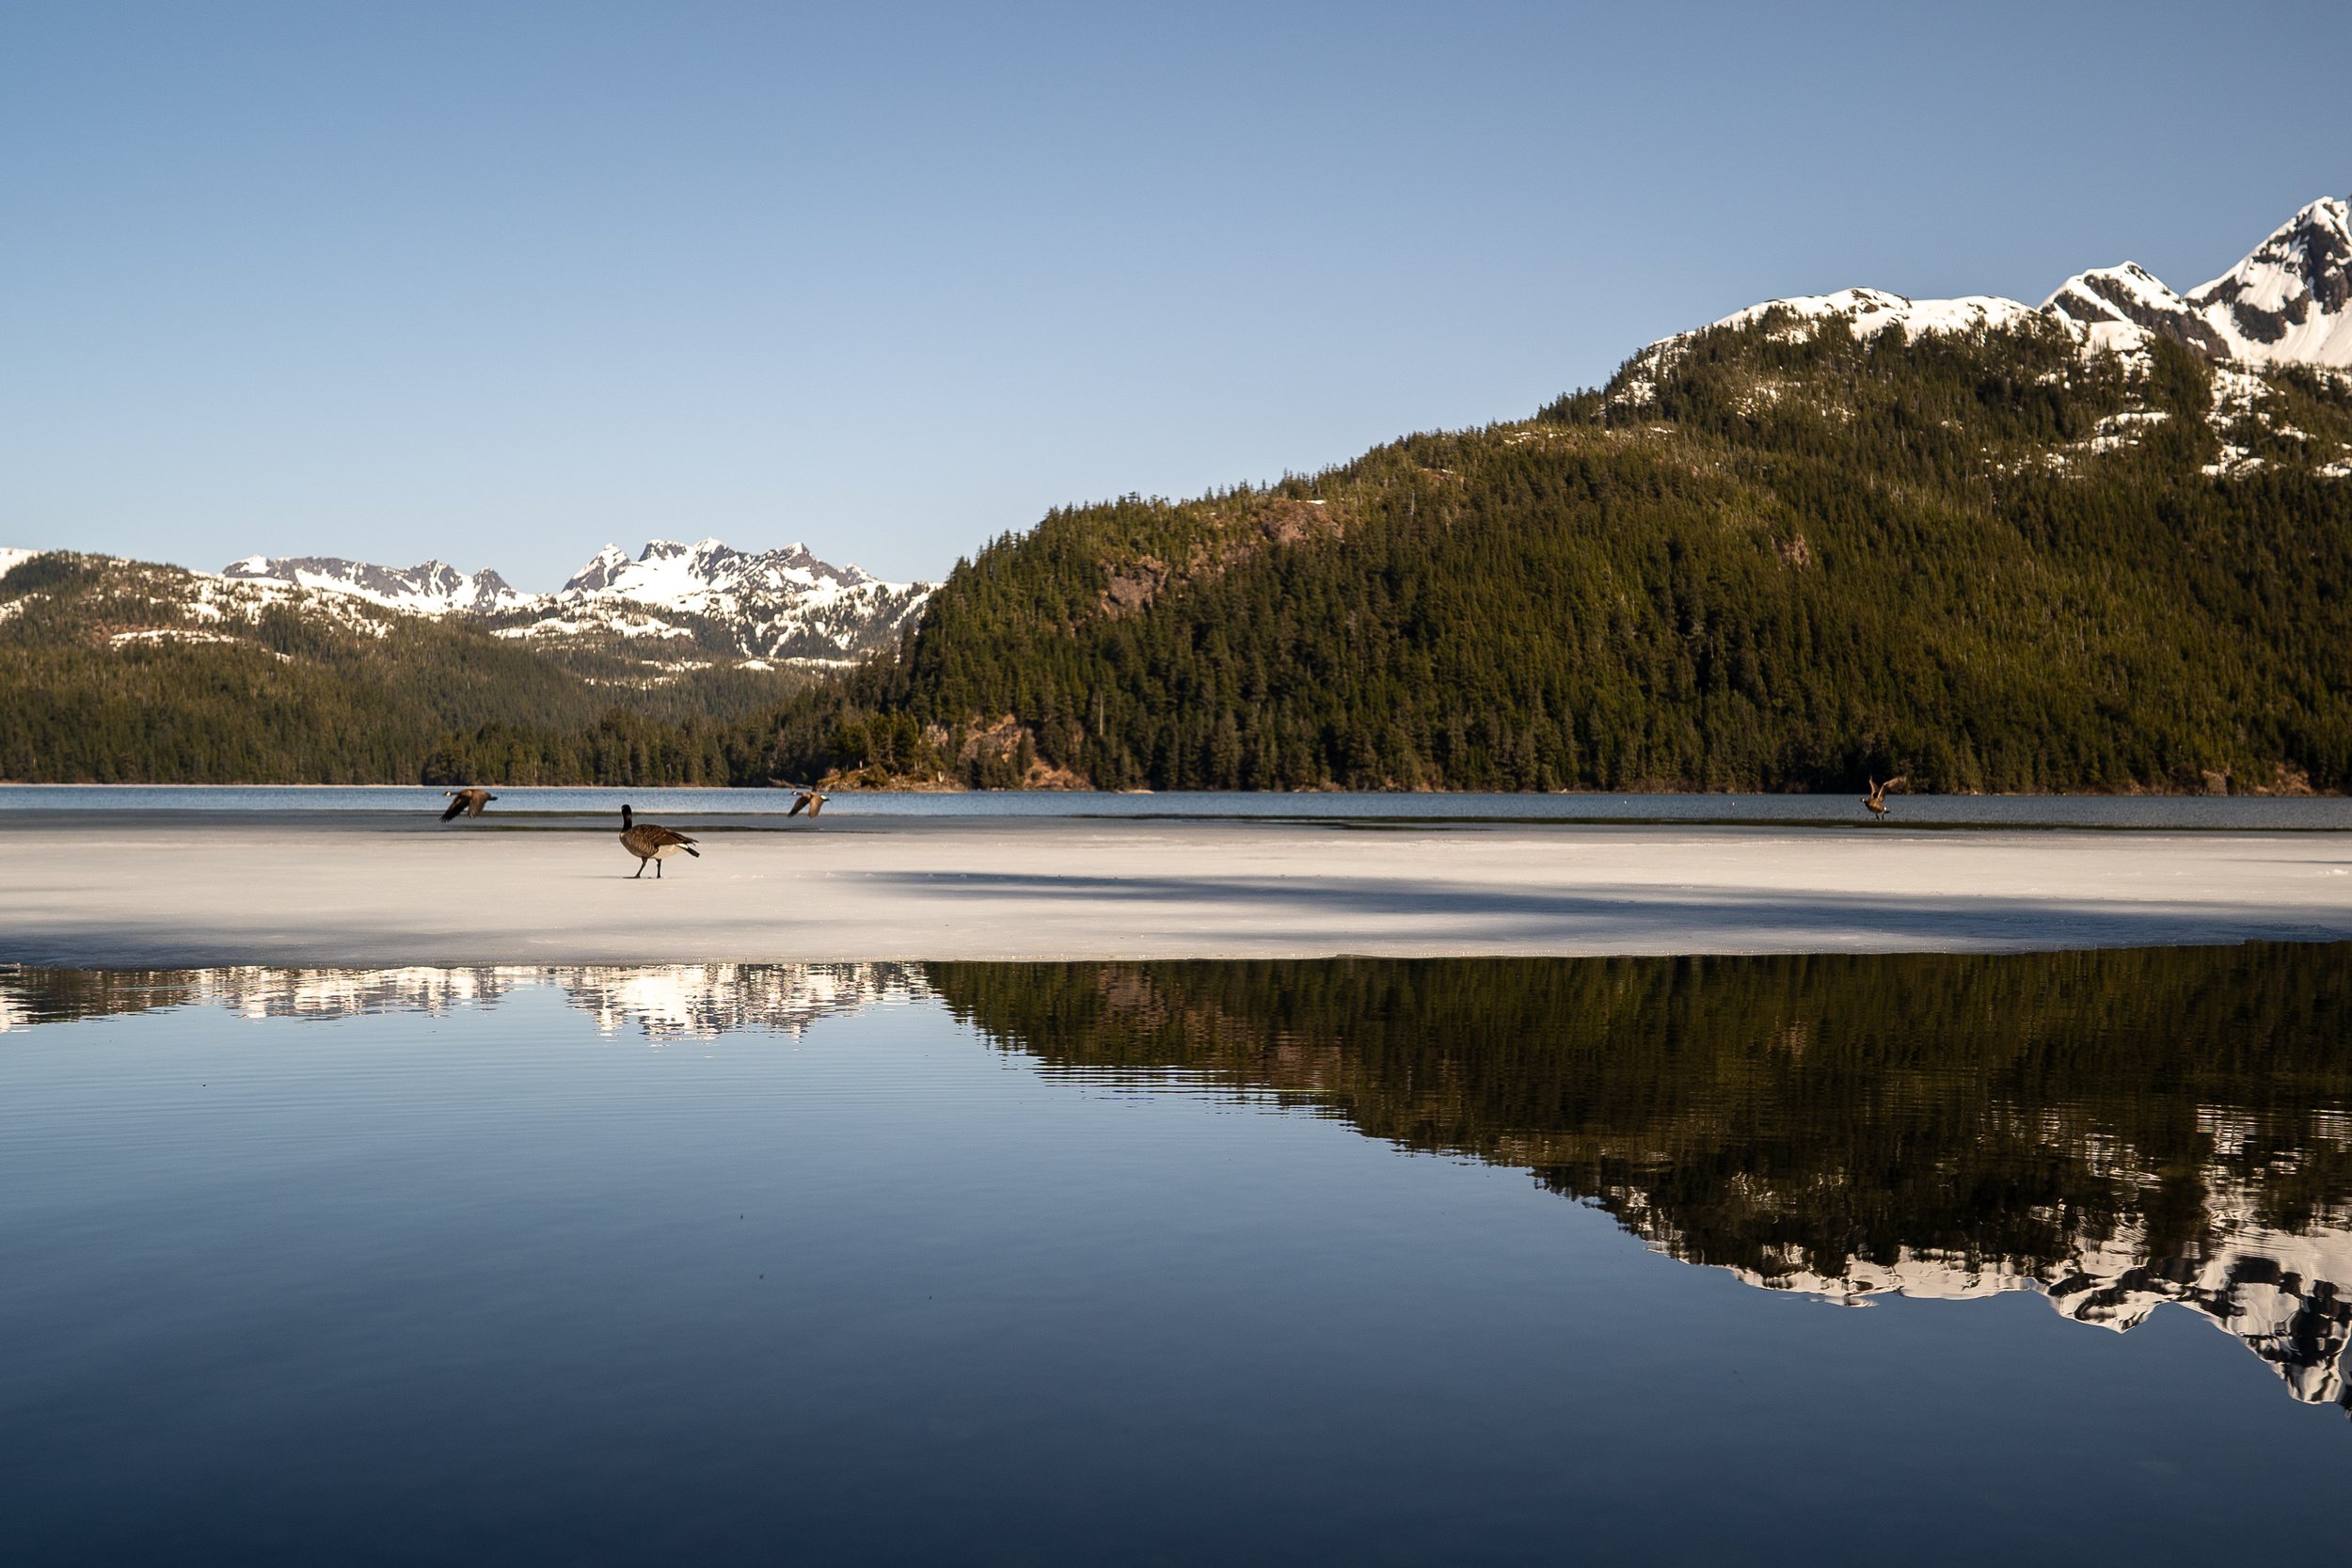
point(785, 605)
point(2288, 303)
point(2285, 311)
point(428, 588)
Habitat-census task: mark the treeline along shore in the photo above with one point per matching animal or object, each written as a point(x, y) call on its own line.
point(1767, 560)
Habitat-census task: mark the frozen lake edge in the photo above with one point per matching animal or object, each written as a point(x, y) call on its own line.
point(170, 888)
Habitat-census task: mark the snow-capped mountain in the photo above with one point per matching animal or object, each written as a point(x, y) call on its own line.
point(2114, 305)
point(782, 604)
point(775, 604)
point(769, 605)
point(429, 588)
point(2289, 302)
point(702, 576)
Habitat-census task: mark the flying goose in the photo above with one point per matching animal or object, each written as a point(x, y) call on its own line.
point(1876, 798)
point(471, 802)
point(648, 841)
point(813, 799)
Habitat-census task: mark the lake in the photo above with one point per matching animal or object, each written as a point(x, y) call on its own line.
point(1939, 1258)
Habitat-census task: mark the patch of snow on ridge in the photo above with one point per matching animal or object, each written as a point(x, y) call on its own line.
point(12, 559)
point(2238, 396)
point(1872, 311)
point(205, 597)
point(151, 635)
point(1866, 312)
point(2123, 429)
point(618, 624)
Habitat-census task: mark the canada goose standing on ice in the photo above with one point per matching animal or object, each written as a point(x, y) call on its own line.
point(813, 799)
point(471, 802)
point(1876, 798)
point(651, 842)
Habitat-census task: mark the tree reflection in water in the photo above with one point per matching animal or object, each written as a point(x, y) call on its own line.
point(2114, 1130)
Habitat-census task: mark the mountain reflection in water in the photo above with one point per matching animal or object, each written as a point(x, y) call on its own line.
point(688, 1001)
point(2114, 1130)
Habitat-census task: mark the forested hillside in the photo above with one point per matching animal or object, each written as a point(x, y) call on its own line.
point(118, 671)
point(1763, 558)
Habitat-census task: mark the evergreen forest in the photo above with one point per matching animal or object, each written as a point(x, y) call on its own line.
point(1990, 562)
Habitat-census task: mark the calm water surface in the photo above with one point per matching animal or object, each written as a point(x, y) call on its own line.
point(1460, 1261)
point(2171, 812)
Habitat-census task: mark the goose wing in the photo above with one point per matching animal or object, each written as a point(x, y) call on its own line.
point(801, 800)
point(456, 804)
point(1893, 783)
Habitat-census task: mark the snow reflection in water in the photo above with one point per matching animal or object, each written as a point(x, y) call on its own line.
point(690, 1002)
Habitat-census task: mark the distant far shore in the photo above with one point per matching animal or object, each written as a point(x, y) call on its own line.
point(552, 805)
point(2091, 792)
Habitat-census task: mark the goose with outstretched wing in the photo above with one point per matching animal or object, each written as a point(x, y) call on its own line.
point(469, 802)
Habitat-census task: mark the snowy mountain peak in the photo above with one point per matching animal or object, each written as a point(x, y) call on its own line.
point(2111, 306)
point(670, 575)
point(774, 604)
point(428, 588)
point(602, 567)
point(2290, 300)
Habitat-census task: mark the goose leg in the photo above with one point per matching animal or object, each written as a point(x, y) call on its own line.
point(640, 871)
point(656, 871)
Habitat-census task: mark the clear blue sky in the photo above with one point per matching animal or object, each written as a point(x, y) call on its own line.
point(499, 282)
